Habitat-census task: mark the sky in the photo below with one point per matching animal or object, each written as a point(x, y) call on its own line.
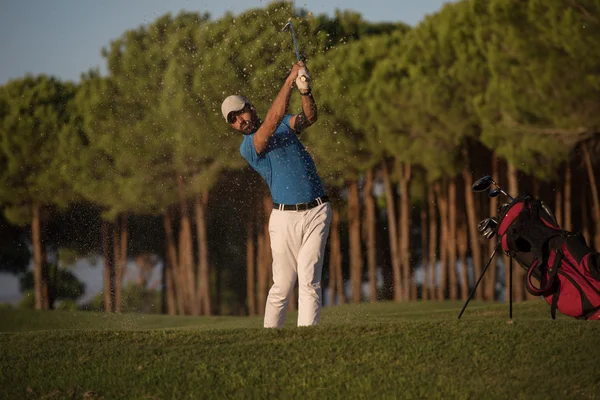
point(64, 38)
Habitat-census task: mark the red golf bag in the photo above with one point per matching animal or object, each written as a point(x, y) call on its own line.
point(567, 270)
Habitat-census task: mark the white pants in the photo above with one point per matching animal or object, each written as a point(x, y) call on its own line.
point(298, 240)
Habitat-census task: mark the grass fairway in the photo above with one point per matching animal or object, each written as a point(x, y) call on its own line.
point(385, 350)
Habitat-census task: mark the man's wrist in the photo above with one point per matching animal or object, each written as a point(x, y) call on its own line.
point(290, 82)
point(306, 92)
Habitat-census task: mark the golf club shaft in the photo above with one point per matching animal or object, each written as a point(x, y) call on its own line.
point(507, 195)
point(291, 28)
point(503, 191)
point(295, 44)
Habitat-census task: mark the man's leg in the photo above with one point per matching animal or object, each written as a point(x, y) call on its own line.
point(285, 233)
point(310, 264)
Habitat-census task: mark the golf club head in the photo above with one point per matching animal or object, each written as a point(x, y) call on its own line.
point(488, 234)
point(487, 227)
point(550, 213)
point(482, 184)
point(502, 208)
point(483, 224)
point(287, 26)
point(495, 192)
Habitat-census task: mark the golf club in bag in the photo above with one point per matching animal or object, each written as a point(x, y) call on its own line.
point(567, 269)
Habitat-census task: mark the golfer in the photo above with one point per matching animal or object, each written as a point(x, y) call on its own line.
point(301, 215)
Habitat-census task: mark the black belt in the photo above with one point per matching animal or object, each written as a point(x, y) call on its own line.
point(301, 206)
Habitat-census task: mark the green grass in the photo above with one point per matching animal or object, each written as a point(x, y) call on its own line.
point(385, 350)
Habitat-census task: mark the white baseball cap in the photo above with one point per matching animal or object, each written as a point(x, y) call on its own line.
point(232, 103)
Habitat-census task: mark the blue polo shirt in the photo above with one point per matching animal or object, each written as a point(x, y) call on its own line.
point(285, 165)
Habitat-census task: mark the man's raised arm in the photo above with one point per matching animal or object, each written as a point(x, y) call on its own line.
point(308, 116)
point(276, 112)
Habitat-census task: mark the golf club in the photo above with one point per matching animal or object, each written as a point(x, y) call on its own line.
point(290, 27)
point(483, 224)
point(502, 207)
point(485, 182)
point(487, 227)
point(496, 192)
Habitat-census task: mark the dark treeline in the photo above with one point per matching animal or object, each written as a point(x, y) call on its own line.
point(139, 166)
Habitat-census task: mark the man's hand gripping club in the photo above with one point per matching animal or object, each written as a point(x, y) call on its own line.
point(303, 80)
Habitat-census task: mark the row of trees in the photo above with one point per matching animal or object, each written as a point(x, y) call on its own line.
point(141, 162)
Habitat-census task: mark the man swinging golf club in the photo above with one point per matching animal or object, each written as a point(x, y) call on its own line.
point(301, 215)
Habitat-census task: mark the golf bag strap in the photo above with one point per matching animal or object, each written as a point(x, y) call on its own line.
point(593, 315)
point(551, 276)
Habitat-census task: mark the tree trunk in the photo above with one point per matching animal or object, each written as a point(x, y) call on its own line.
point(203, 277)
point(585, 225)
point(568, 225)
point(536, 187)
point(53, 280)
point(264, 256)
point(392, 230)
point(124, 240)
point(536, 192)
point(404, 171)
point(595, 200)
point(120, 258)
point(180, 289)
point(109, 273)
point(46, 279)
point(370, 235)
point(250, 267)
point(44, 267)
point(492, 274)
point(38, 280)
point(144, 266)
point(462, 246)
point(117, 263)
point(433, 234)
point(558, 206)
point(186, 255)
point(424, 251)
point(336, 280)
point(518, 292)
point(267, 255)
point(443, 206)
point(452, 239)
point(261, 272)
point(473, 234)
point(356, 261)
point(292, 304)
point(169, 288)
point(333, 249)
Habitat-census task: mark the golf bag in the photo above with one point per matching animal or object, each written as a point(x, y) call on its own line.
point(566, 268)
